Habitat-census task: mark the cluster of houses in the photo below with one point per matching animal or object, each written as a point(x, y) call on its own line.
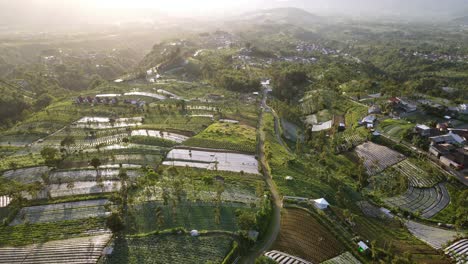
point(436, 57)
point(310, 47)
point(451, 148)
point(402, 105)
point(447, 144)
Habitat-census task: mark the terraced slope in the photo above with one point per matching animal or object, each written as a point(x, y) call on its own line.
point(416, 176)
point(83, 250)
point(458, 251)
point(427, 201)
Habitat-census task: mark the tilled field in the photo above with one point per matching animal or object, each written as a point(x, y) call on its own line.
point(301, 235)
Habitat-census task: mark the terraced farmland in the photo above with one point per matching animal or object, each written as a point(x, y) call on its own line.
point(160, 134)
point(83, 250)
point(226, 135)
point(416, 176)
point(105, 123)
point(301, 235)
point(377, 158)
point(79, 188)
point(223, 161)
point(26, 175)
point(386, 232)
point(426, 201)
point(458, 251)
point(88, 175)
point(198, 215)
point(163, 249)
point(61, 212)
point(433, 236)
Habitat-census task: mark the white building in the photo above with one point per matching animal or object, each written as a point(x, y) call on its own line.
point(321, 204)
point(463, 109)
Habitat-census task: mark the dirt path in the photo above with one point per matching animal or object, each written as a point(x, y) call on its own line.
point(275, 224)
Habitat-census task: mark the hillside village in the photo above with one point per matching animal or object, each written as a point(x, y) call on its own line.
point(243, 145)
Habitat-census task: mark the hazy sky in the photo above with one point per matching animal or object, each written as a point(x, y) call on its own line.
point(63, 12)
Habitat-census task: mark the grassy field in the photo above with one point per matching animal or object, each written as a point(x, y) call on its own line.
point(164, 249)
point(226, 136)
point(310, 241)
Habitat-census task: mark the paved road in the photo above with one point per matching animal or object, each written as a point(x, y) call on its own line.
point(274, 228)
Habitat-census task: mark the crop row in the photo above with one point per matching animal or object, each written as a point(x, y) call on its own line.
point(301, 235)
point(165, 249)
point(426, 201)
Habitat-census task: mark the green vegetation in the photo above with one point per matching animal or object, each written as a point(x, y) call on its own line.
point(167, 248)
point(225, 136)
point(189, 215)
point(25, 234)
point(395, 128)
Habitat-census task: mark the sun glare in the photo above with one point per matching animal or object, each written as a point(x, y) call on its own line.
point(169, 6)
